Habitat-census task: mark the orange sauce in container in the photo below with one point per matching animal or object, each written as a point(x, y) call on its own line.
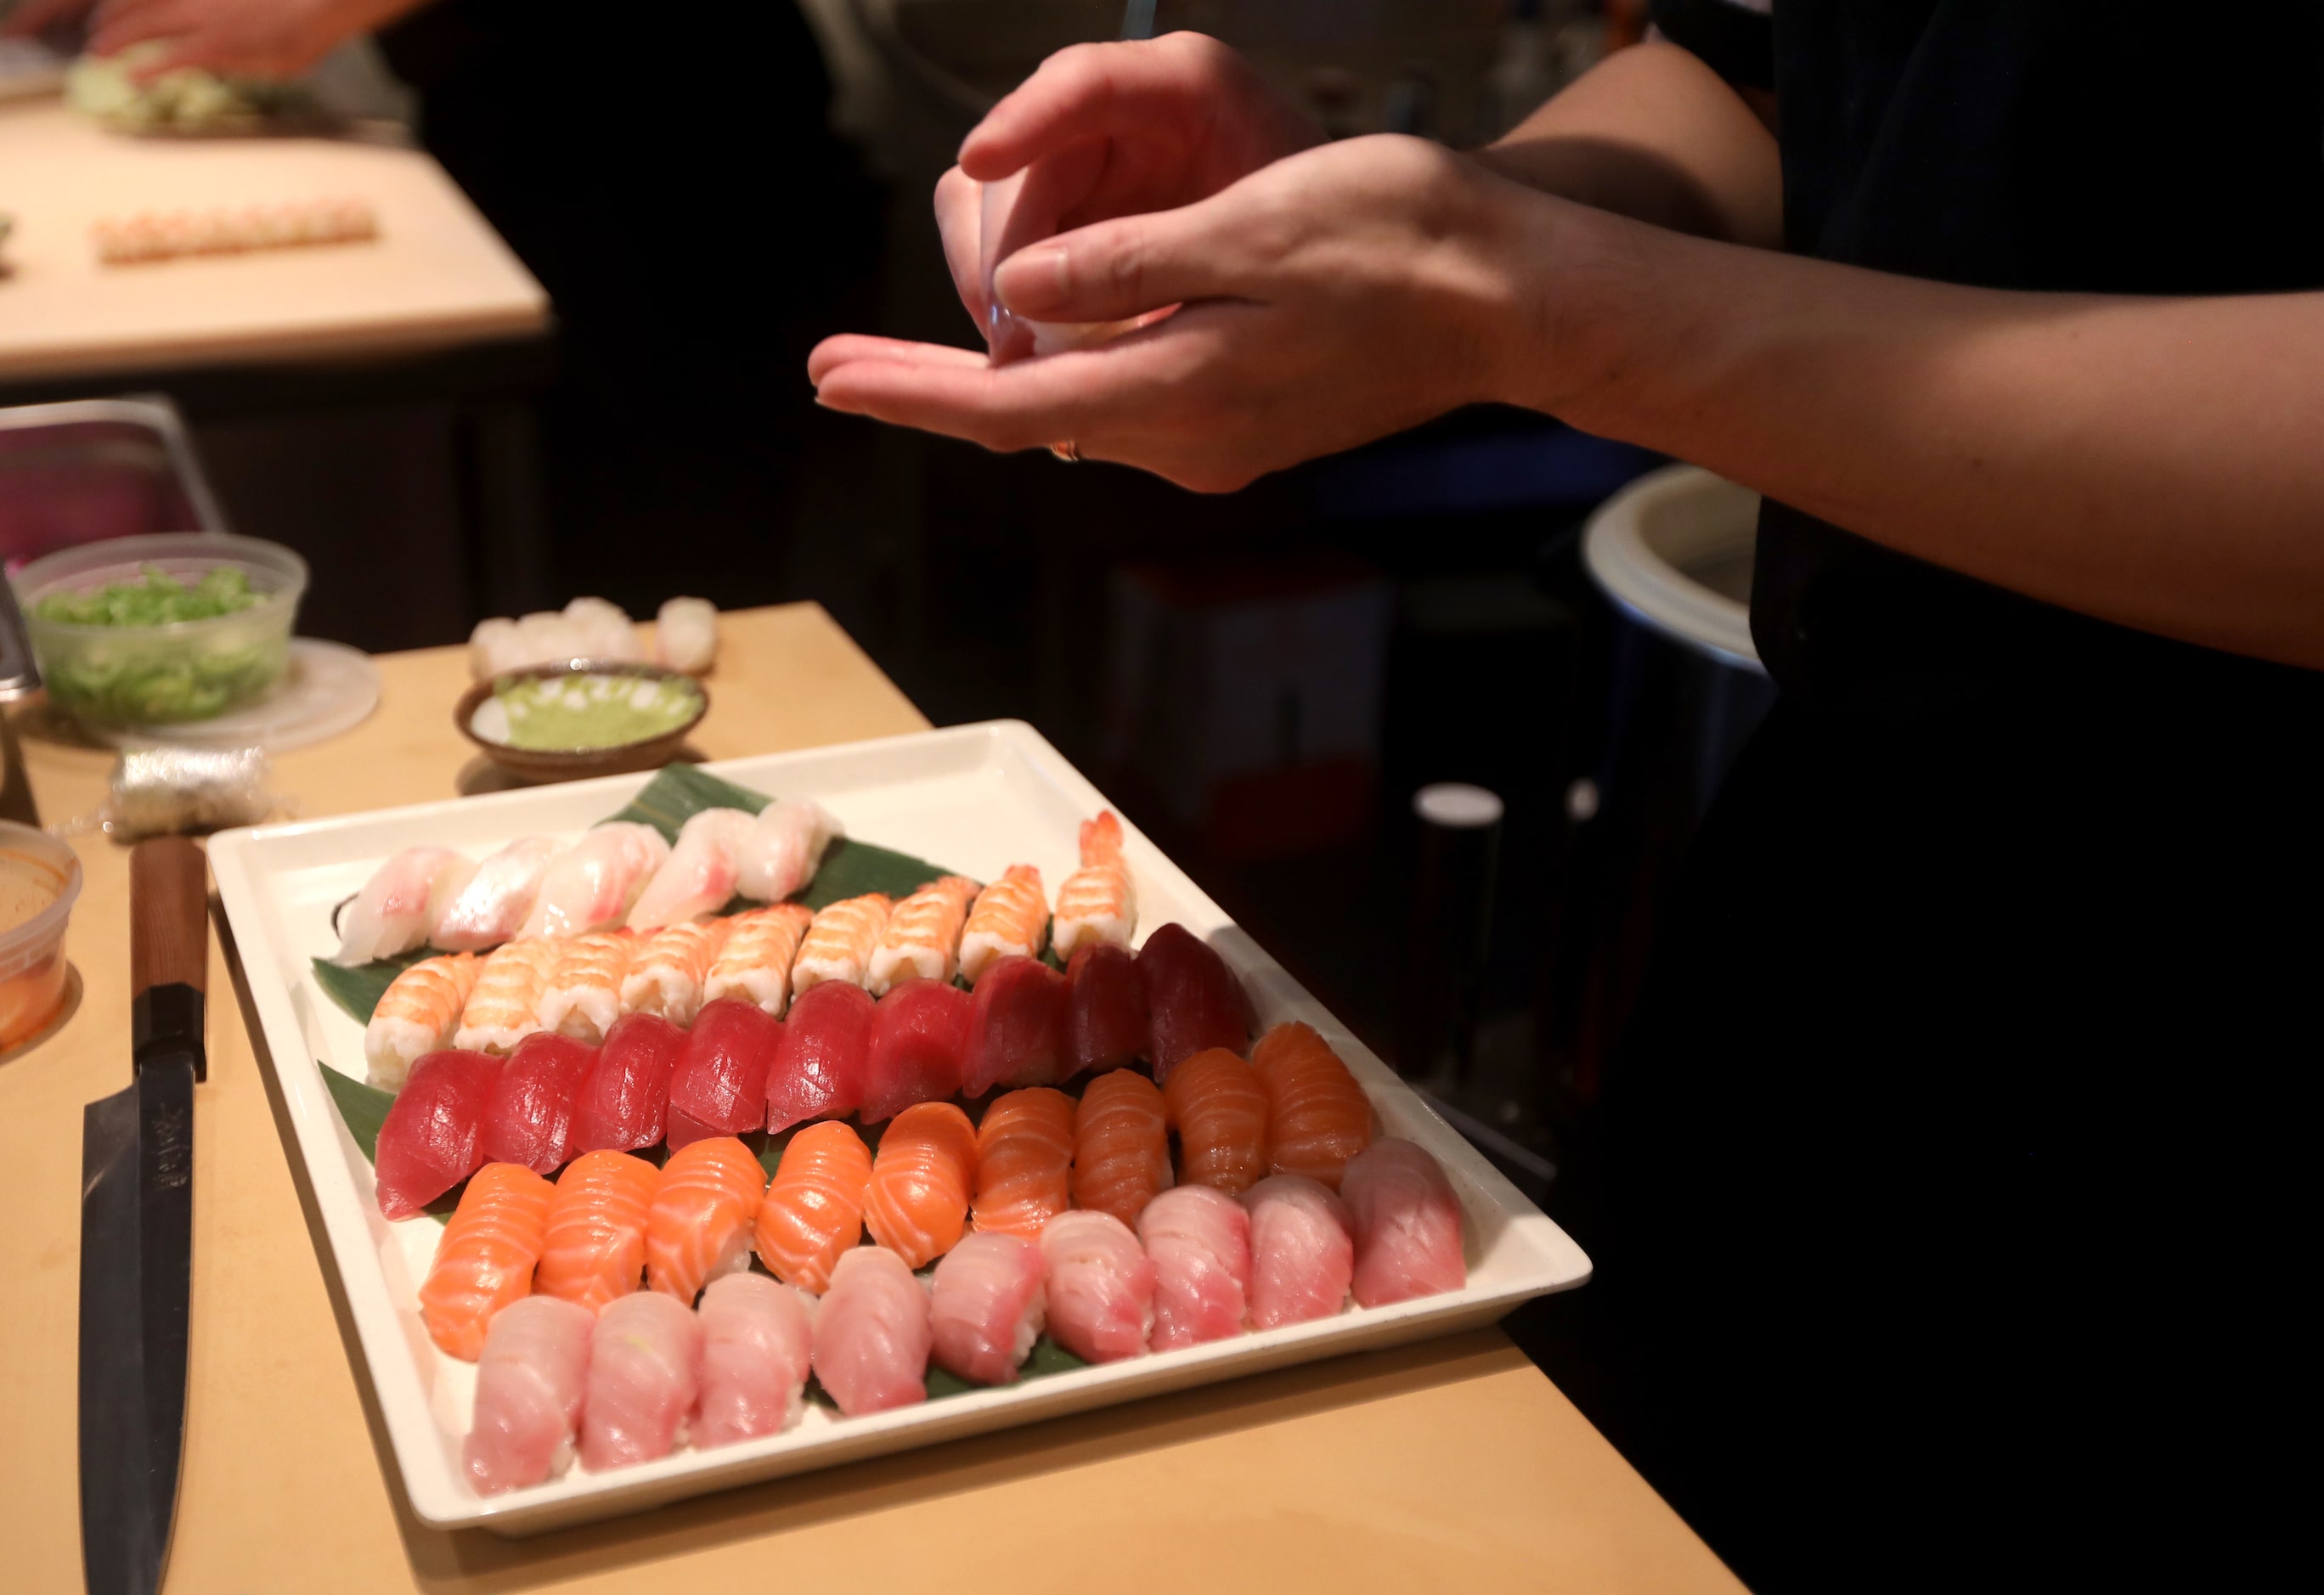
point(39, 878)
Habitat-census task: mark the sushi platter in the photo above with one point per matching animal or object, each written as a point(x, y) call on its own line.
point(661, 1007)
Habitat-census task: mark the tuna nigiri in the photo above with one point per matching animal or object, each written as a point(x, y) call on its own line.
point(873, 1335)
point(529, 1118)
point(503, 1007)
point(699, 1225)
point(919, 1047)
point(1406, 1223)
point(921, 939)
point(484, 1260)
point(624, 1105)
point(591, 885)
point(813, 1211)
point(1199, 1240)
point(416, 1015)
point(594, 1247)
point(1122, 1145)
point(819, 1066)
point(785, 848)
point(670, 969)
point(698, 877)
point(645, 1367)
point(757, 1342)
point(1100, 1286)
point(719, 1087)
point(1016, 1027)
point(583, 997)
point(1194, 1002)
point(1010, 920)
point(1219, 1110)
point(432, 1137)
point(1318, 1116)
point(1099, 901)
point(491, 908)
point(530, 1383)
point(1302, 1255)
point(755, 963)
point(986, 1307)
point(1024, 1161)
point(1105, 1011)
point(838, 944)
point(916, 1204)
point(400, 905)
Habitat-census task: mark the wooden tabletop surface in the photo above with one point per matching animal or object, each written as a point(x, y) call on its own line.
point(436, 276)
point(1449, 1465)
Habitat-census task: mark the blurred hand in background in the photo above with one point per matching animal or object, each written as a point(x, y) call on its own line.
point(245, 38)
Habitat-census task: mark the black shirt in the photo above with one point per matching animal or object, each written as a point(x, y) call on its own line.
point(2074, 146)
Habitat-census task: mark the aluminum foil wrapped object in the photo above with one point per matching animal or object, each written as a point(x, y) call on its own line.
point(162, 791)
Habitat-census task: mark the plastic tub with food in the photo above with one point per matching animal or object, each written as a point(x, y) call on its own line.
point(39, 877)
point(156, 630)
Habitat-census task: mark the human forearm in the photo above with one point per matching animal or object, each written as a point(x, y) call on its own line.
point(2154, 462)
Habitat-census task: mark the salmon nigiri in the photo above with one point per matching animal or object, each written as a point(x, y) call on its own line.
point(1024, 1160)
point(582, 996)
point(416, 1015)
point(1122, 1145)
point(755, 961)
point(813, 1211)
point(503, 1007)
point(699, 1225)
point(922, 936)
point(1219, 1110)
point(838, 944)
point(594, 1247)
point(484, 1260)
point(1011, 920)
point(1318, 1116)
point(1099, 901)
point(917, 1205)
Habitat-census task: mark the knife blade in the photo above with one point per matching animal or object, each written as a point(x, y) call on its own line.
point(136, 1235)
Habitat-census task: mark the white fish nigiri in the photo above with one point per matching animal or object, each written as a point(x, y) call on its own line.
point(1302, 1252)
point(987, 1306)
point(686, 635)
point(785, 849)
point(1101, 1286)
point(645, 1366)
point(872, 1333)
point(758, 1344)
point(1406, 1223)
point(530, 1382)
point(700, 874)
point(1199, 1239)
point(491, 908)
point(399, 905)
point(591, 885)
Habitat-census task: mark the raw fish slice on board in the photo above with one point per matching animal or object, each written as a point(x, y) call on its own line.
point(492, 908)
point(719, 1087)
point(1099, 1285)
point(416, 1015)
point(986, 1307)
point(757, 1347)
point(699, 1225)
point(399, 905)
point(813, 1213)
point(591, 885)
point(838, 945)
point(530, 1383)
point(529, 1118)
point(921, 939)
point(432, 1137)
point(1122, 1145)
point(1017, 1028)
point(820, 1068)
point(503, 1007)
point(668, 973)
point(872, 1334)
point(1024, 1161)
point(1302, 1254)
point(919, 1047)
point(485, 1259)
point(785, 848)
point(1406, 1221)
point(645, 1367)
point(917, 1205)
point(698, 876)
point(1010, 920)
point(583, 997)
point(1199, 1240)
point(1099, 901)
point(594, 1247)
point(754, 963)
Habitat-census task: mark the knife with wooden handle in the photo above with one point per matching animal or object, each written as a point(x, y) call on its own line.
point(136, 1232)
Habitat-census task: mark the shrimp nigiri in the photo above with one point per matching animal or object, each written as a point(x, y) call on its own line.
point(1318, 1116)
point(1010, 920)
point(594, 1247)
point(700, 874)
point(838, 945)
point(1024, 1161)
point(582, 996)
point(529, 1383)
point(503, 1006)
point(699, 1225)
point(1122, 1145)
point(485, 1259)
point(399, 905)
point(813, 1212)
point(1219, 1110)
point(917, 1205)
point(922, 936)
point(1099, 901)
point(491, 908)
point(591, 885)
point(416, 1015)
point(669, 968)
point(755, 961)
point(785, 848)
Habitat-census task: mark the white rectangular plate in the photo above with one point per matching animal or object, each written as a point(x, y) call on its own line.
point(976, 798)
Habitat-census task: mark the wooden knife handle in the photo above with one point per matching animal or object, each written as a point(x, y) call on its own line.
point(168, 914)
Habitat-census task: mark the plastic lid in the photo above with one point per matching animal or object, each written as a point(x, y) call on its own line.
point(1457, 805)
point(328, 688)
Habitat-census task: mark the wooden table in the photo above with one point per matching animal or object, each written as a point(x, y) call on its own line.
point(1450, 1465)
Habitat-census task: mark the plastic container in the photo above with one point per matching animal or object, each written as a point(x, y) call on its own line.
point(163, 675)
point(39, 878)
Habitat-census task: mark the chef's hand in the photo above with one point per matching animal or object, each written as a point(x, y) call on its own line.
point(1109, 129)
point(248, 37)
point(1330, 298)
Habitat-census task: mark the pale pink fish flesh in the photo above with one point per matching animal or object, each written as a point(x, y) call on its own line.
point(492, 908)
point(591, 885)
point(784, 849)
point(1199, 1240)
point(758, 1344)
point(530, 1381)
point(872, 1334)
point(645, 1367)
point(1302, 1254)
point(1101, 1286)
point(1406, 1221)
point(987, 1306)
point(700, 874)
point(399, 905)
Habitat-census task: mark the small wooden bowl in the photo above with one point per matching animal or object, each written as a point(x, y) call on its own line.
point(565, 764)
